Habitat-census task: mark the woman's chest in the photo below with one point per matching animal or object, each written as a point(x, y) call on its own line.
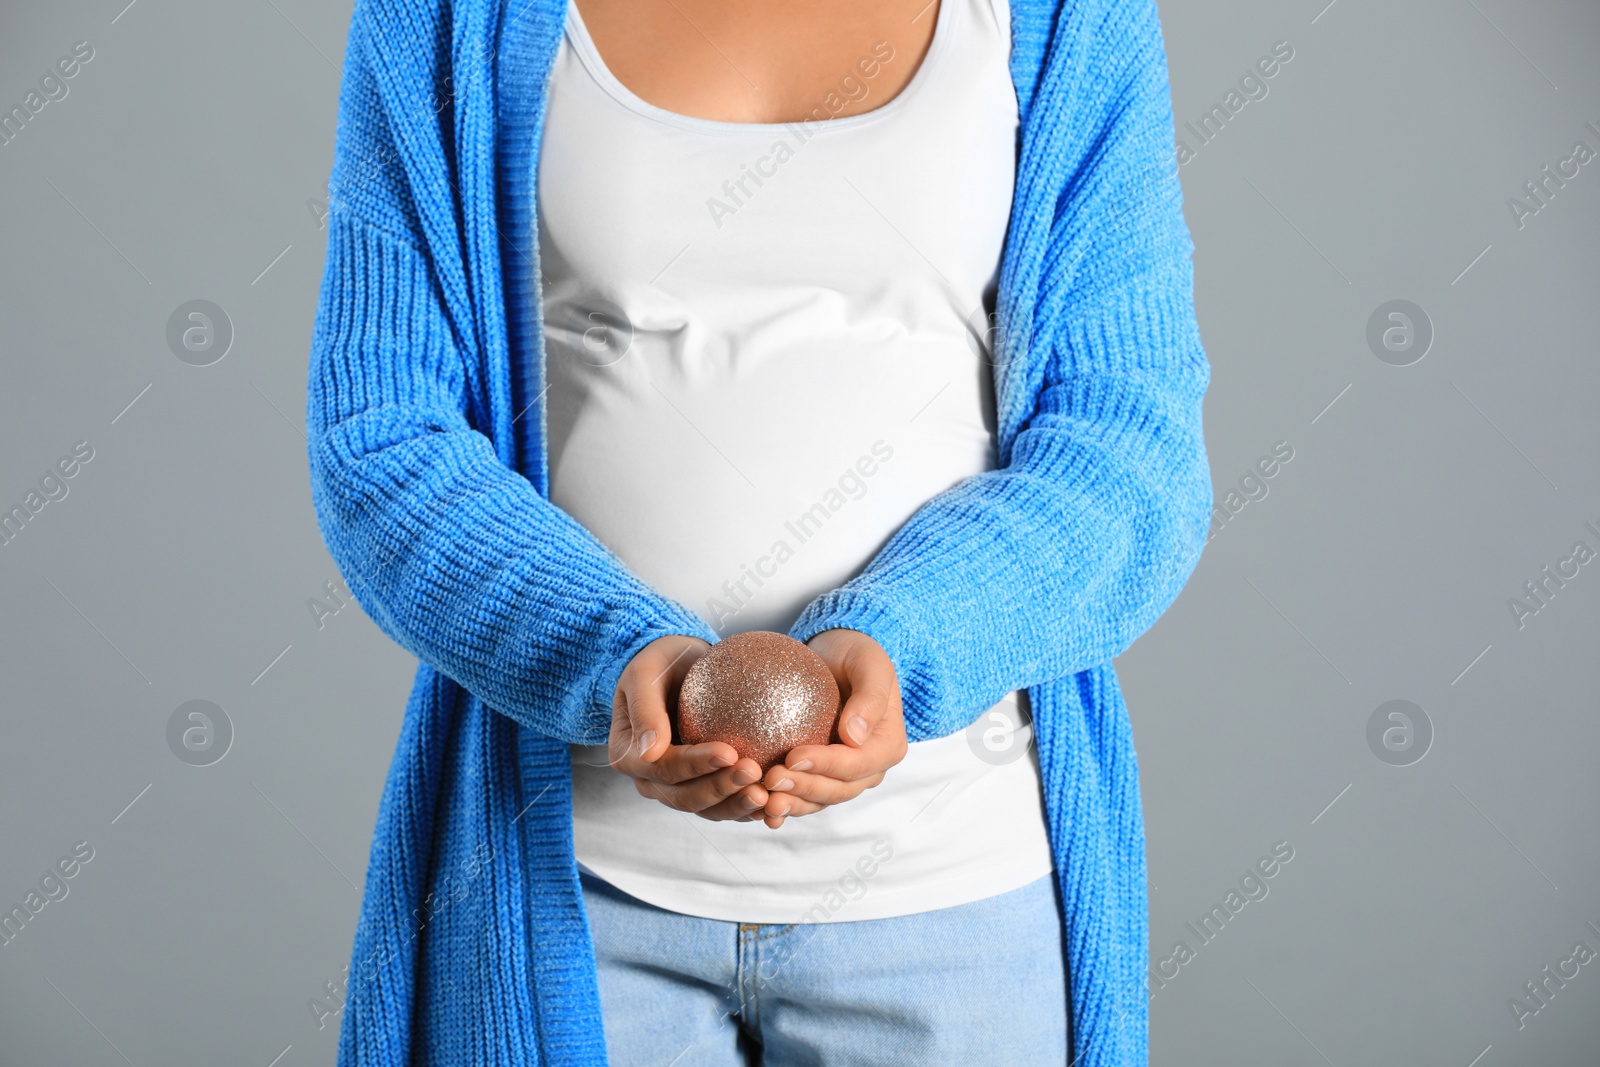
point(919, 187)
point(757, 63)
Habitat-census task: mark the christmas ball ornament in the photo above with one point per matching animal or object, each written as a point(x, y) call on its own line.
point(763, 693)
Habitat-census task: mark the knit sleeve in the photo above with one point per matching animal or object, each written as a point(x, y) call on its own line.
point(1058, 559)
point(455, 555)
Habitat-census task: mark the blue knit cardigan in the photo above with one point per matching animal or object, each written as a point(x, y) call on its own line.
point(428, 473)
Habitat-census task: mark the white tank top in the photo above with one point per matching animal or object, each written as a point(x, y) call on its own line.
point(765, 351)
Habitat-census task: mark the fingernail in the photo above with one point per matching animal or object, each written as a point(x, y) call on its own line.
point(803, 765)
point(749, 804)
point(722, 761)
point(784, 783)
point(744, 777)
point(783, 812)
point(646, 739)
point(857, 727)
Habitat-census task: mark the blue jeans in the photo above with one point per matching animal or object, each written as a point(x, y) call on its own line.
point(976, 984)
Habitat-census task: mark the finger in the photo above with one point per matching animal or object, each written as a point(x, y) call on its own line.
point(698, 794)
point(743, 806)
point(782, 805)
point(846, 761)
point(817, 788)
point(883, 750)
point(682, 763)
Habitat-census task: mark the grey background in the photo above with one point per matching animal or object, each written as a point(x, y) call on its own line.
point(1420, 898)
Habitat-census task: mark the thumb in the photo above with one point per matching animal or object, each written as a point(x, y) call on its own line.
point(639, 715)
point(649, 727)
point(866, 678)
point(867, 705)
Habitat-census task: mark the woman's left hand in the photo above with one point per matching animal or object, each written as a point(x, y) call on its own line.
point(872, 728)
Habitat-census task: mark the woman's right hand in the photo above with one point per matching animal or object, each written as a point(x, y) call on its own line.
point(708, 780)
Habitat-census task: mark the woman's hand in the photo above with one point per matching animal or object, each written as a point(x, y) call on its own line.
point(872, 727)
point(708, 780)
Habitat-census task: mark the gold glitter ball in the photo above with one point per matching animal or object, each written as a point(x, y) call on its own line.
point(763, 693)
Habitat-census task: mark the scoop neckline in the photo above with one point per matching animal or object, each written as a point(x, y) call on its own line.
point(577, 34)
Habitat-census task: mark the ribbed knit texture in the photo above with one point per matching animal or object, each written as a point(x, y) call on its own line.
point(426, 418)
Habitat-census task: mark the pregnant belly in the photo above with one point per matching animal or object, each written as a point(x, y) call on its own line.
point(743, 495)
